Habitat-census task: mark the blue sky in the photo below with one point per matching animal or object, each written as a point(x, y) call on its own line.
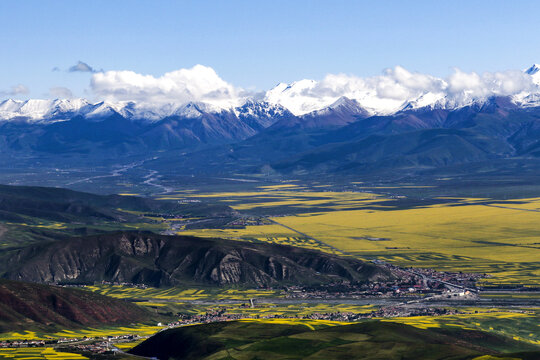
point(255, 44)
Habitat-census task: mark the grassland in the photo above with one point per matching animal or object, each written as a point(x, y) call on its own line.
point(519, 325)
point(315, 339)
point(33, 230)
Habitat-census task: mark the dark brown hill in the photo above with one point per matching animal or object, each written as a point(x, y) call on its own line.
point(29, 306)
point(157, 260)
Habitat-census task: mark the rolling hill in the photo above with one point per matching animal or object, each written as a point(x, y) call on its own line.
point(28, 213)
point(294, 340)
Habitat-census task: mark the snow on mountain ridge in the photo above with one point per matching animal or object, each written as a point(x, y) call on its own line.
point(48, 111)
point(38, 109)
point(395, 90)
point(398, 89)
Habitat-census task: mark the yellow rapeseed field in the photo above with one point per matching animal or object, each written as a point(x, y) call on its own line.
point(503, 242)
point(500, 238)
point(47, 353)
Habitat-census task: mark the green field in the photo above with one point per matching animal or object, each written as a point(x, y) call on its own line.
point(520, 325)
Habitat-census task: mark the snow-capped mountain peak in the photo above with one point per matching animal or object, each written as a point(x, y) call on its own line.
point(36, 110)
point(196, 109)
point(534, 72)
point(345, 102)
point(298, 97)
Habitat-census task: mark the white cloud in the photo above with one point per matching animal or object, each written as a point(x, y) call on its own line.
point(16, 90)
point(200, 84)
point(380, 94)
point(397, 87)
point(464, 87)
point(383, 94)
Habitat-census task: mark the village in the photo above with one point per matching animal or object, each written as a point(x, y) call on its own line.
point(406, 294)
point(411, 283)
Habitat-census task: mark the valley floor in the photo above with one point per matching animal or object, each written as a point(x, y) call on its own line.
point(483, 253)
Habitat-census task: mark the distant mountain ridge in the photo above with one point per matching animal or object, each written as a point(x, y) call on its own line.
point(343, 136)
point(423, 138)
point(63, 126)
point(40, 111)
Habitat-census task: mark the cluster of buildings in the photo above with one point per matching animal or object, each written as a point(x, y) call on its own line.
point(249, 221)
point(401, 310)
point(404, 311)
point(24, 343)
point(105, 346)
point(407, 283)
point(209, 317)
point(84, 343)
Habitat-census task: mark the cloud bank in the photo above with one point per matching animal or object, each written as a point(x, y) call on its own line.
point(199, 84)
point(387, 93)
point(398, 87)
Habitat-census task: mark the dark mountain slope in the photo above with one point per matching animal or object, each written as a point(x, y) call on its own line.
point(423, 138)
point(388, 125)
point(427, 148)
point(288, 136)
point(112, 134)
point(143, 257)
point(497, 118)
point(80, 135)
point(183, 132)
point(343, 112)
point(526, 140)
point(58, 204)
point(27, 305)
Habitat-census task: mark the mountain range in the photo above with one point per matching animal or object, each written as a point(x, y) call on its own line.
point(264, 135)
point(299, 97)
